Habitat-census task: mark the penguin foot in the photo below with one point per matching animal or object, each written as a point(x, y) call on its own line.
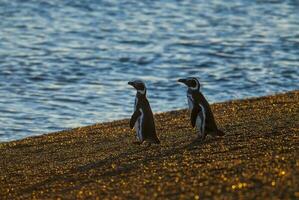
point(149, 144)
point(137, 143)
point(200, 139)
point(153, 141)
point(217, 133)
point(220, 133)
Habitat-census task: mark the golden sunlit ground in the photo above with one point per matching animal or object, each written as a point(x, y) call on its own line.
point(257, 159)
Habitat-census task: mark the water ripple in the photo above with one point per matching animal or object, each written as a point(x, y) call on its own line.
point(66, 63)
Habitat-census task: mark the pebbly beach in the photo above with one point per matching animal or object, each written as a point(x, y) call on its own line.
point(258, 158)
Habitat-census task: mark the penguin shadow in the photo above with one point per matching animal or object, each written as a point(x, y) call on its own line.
point(140, 148)
point(126, 166)
point(71, 175)
point(196, 143)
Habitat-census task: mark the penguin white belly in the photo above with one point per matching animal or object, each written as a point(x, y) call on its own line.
point(138, 126)
point(190, 102)
point(200, 121)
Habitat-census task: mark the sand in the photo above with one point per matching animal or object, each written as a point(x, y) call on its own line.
point(258, 158)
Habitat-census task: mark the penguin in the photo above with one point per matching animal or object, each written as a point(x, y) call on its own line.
point(142, 118)
point(201, 112)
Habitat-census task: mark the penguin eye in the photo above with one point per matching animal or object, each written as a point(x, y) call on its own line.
point(193, 83)
point(140, 86)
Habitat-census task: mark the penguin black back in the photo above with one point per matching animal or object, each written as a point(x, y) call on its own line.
point(197, 98)
point(148, 127)
point(143, 118)
point(211, 126)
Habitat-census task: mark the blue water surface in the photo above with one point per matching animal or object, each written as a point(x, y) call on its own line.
point(66, 63)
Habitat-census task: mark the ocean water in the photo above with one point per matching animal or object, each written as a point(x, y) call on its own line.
point(65, 63)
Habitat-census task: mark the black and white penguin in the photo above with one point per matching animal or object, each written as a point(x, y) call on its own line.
point(201, 113)
point(142, 118)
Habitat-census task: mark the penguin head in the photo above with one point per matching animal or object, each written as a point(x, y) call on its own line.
point(191, 82)
point(139, 86)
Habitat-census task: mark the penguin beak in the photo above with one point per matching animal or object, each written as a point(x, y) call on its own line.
point(131, 83)
point(182, 80)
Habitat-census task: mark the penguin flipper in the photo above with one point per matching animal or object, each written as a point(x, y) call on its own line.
point(220, 133)
point(194, 114)
point(134, 118)
point(156, 140)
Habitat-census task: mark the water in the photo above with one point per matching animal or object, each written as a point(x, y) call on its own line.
point(67, 63)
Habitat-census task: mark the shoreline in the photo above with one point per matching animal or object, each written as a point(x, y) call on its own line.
point(258, 157)
point(155, 113)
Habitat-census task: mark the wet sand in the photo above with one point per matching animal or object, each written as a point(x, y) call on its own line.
point(258, 158)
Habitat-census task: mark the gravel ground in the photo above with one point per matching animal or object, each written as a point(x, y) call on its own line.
point(258, 158)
